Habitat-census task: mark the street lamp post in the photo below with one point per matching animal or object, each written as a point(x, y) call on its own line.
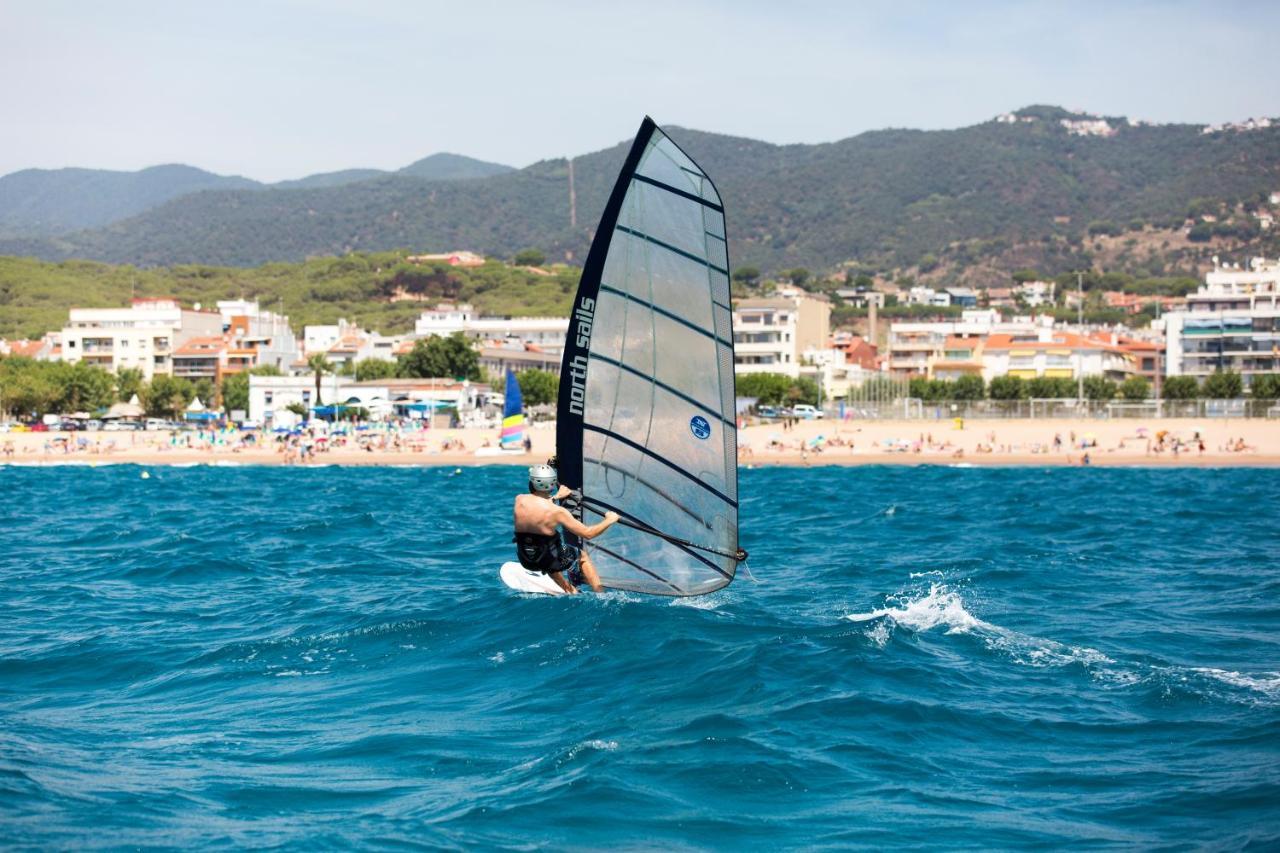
point(1080, 350)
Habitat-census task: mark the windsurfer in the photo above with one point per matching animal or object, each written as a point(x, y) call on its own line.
point(538, 542)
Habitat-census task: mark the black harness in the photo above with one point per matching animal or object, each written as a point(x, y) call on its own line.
point(540, 552)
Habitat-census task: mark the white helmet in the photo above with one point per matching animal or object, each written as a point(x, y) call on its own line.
point(543, 478)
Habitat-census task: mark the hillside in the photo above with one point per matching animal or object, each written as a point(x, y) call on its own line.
point(379, 291)
point(54, 201)
point(1024, 190)
point(41, 203)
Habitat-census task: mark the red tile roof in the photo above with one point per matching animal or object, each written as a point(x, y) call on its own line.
point(201, 347)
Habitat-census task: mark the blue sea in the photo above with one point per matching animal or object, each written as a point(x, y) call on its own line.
point(921, 657)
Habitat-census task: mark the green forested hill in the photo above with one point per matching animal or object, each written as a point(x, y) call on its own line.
point(54, 201)
point(885, 199)
point(377, 290)
point(40, 203)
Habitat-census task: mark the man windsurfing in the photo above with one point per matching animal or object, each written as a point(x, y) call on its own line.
point(539, 545)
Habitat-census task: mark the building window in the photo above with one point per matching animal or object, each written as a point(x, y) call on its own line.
point(267, 397)
point(306, 398)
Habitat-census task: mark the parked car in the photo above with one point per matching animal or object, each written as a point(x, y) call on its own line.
point(70, 425)
point(156, 423)
point(809, 413)
point(93, 424)
point(766, 411)
point(7, 427)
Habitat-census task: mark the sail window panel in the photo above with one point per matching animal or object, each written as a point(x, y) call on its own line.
point(655, 276)
point(684, 361)
point(723, 323)
point(728, 405)
point(720, 289)
point(665, 217)
point(673, 439)
point(665, 163)
point(666, 152)
point(621, 475)
point(626, 556)
point(624, 408)
point(713, 223)
point(623, 331)
point(649, 486)
point(679, 286)
point(644, 419)
point(717, 254)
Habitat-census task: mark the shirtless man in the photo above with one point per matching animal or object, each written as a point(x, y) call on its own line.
point(538, 544)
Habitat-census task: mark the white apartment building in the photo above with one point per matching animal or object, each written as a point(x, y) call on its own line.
point(771, 333)
point(914, 347)
point(1231, 323)
point(270, 396)
point(833, 373)
point(1053, 353)
point(255, 337)
point(321, 339)
point(143, 336)
point(546, 333)
point(1037, 293)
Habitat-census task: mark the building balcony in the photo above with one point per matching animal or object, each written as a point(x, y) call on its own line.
point(777, 349)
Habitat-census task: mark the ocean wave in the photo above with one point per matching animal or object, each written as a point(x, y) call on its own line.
point(943, 608)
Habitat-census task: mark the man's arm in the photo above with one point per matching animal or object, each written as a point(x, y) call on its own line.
point(563, 517)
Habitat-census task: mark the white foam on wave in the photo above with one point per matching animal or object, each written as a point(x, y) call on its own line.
point(1268, 684)
point(943, 607)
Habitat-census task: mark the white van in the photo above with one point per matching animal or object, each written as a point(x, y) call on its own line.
point(809, 413)
point(157, 423)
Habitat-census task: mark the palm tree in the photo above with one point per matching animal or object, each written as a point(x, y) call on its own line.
point(321, 366)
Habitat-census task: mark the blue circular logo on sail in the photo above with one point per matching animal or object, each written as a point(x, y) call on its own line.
point(699, 427)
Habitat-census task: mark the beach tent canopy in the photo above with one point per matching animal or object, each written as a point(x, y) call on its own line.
point(125, 410)
point(195, 405)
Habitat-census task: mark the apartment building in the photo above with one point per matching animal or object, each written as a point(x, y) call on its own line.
point(1231, 323)
point(771, 333)
point(256, 337)
point(546, 333)
point(915, 348)
point(1053, 354)
point(143, 336)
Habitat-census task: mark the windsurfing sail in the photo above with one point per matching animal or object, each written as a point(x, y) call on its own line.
point(512, 415)
point(645, 420)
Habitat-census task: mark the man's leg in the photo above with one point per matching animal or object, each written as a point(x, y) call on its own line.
point(589, 571)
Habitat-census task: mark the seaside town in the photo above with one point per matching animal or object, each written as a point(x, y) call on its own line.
point(1199, 380)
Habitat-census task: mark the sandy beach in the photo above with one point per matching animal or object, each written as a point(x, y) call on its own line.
point(811, 443)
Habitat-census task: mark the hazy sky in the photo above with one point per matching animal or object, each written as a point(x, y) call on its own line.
point(276, 89)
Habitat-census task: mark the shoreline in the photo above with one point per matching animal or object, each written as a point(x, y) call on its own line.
point(813, 444)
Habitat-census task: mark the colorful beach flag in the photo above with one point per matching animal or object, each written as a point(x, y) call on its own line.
point(512, 415)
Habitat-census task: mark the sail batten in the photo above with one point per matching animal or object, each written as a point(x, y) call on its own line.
point(645, 422)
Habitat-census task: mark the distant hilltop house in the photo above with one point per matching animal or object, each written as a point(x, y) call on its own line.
point(1088, 127)
point(963, 297)
point(453, 259)
point(1239, 126)
point(1010, 118)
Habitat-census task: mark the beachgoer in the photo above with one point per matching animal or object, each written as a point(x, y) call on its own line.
point(539, 546)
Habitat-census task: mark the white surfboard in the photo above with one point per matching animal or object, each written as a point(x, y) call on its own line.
point(521, 579)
